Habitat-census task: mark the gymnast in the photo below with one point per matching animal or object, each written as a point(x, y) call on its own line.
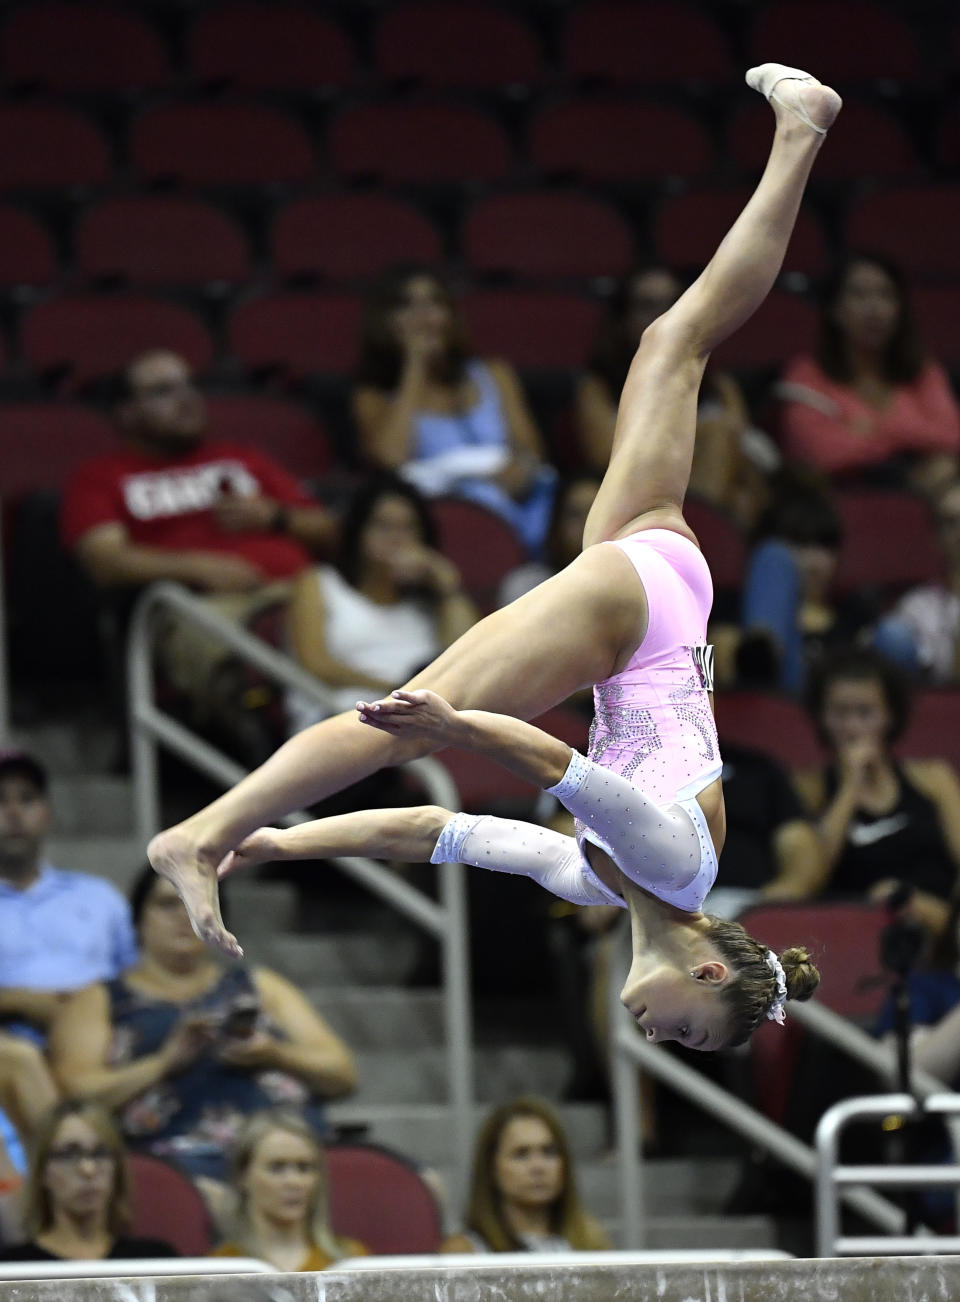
point(629, 616)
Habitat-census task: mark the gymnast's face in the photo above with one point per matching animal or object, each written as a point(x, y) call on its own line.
point(682, 1004)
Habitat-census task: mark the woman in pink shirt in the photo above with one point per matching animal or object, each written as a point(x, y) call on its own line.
point(870, 399)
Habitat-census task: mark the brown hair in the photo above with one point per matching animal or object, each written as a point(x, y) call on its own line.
point(751, 994)
point(319, 1231)
point(37, 1209)
point(485, 1213)
point(381, 354)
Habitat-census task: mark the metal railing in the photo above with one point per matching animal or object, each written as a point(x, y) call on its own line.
point(833, 1179)
point(446, 921)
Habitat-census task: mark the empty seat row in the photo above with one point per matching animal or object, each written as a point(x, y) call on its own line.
point(618, 142)
point(290, 46)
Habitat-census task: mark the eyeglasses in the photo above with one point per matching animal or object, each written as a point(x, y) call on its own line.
point(74, 1154)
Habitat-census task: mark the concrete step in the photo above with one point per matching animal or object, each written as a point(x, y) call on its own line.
point(382, 1017)
point(260, 909)
point(425, 1130)
point(91, 804)
point(79, 745)
point(365, 958)
point(702, 1232)
point(673, 1186)
point(118, 858)
point(420, 1075)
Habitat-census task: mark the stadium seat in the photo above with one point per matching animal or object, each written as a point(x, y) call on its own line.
point(901, 553)
point(296, 334)
point(49, 147)
point(619, 141)
point(161, 241)
point(43, 443)
point(540, 330)
point(782, 326)
point(165, 1204)
point(343, 236)
point(482, 545)
point(82, 48)
point(720, 540)
point(871, 45)
point(544, 235)
point(934, 727)
point(657, 42)
point(419, 144)
point(867, 141)
point(379, 1198)
point(269, 47)
point(688, 228)
point(469, 45)
point(768, 722)
point(88, 337)
point(915, 227)
point(287, 431)
point(220, 145)
point(27, 255)
point(937, 309)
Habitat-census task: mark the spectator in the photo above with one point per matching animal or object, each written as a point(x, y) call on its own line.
point(389, 606)
point(220, 517)
point(283, 1212)
point(75, 1199)
point(869, 402)
point(449, 422)
point(883, 822)
point(185, 1050)
point(523, 1195)
point(730, 459)
point(922, 632)
point(61, 930)
point(564, 541)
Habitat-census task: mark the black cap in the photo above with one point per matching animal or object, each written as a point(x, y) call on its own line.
point(18, 763)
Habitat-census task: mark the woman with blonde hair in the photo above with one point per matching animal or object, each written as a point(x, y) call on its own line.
point(283, 1202)
point(523, 1192)
point(75, 1200)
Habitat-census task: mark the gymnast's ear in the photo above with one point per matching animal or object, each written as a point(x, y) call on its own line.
point(712, 973)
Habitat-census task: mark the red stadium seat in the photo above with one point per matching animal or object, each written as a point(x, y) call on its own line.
point(871, 44)
point(934, 728)
point(482, 545)
point(48, 147)
point(220, 144)
point(534, 235)
point(82, 48)
point(89, 337)
point(915, 227)
point(538, 330)
point(419, 143)
point(161, 241)
point(43, 443)
point(602, 140)
point(297, 334)
point(773, 724)
point(165, 1204)
point(660, 43)
point(289, 432)
point(866, 140)
point(379, 1198)
point(343, 236)
point(269, 47)
point(477, 46)
point(27, 255)
point(901, 553)
point(720, 541)
point(938, 311)
point(782, 326)
point(687, 229)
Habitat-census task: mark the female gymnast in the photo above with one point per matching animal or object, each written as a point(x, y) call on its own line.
point(629, 617)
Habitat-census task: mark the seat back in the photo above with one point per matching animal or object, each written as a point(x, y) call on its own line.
point(379, 1198)
point(720, 541)
point(903, 552)
point(774, 724)
point(482, 546)
point(165, 1204)
point(547, 235)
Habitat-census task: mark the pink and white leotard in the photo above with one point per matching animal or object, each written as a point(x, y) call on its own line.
point(653, 748)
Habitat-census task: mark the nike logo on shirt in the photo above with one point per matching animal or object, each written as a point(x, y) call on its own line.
point(861, 834)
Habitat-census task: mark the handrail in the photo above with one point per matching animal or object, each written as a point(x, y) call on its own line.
point(446, 922)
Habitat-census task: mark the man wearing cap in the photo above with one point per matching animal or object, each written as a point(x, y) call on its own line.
point(60, 930)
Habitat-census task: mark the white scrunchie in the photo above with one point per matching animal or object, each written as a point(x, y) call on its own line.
point(776, 1013)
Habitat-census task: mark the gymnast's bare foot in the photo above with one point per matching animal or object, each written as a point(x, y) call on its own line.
point(176, 855)
point(793, 91)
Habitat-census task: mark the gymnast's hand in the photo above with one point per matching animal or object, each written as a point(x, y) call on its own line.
point(420, 715)
point(260, 846)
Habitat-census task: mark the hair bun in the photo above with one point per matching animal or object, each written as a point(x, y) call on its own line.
point(801, 974)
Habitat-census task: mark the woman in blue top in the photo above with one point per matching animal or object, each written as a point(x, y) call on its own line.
point(448, 422)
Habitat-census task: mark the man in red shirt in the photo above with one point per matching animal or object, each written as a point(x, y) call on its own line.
point(172, 503)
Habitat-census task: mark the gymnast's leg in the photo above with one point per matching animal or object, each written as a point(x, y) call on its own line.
point(584, 624)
